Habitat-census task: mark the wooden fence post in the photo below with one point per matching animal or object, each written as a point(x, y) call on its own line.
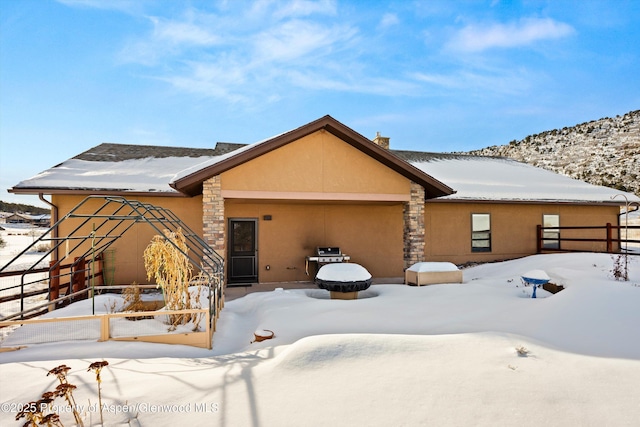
point(54, 280)
point(79, 275)
point(538, 238)
point(54, 283)
point(609, 238)
point(99, 269)
point(105, 334)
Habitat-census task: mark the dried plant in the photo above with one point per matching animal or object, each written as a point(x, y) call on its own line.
point(132, 300)
point(60, 372)
point(165, 260)
point(111, 307)
point(97, 368)
point(32, 412)
point(42, 412)
point(51, 420)
point(620, 270)
point(199, 281)
point(65, 390)
point(522, 351)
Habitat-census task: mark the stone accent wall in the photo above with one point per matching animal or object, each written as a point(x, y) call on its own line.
point(213, 229)
point(414, 232)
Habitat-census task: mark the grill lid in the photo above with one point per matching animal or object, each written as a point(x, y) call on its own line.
point(328, 251)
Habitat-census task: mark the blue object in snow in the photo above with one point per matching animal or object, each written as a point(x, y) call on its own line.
point(535, 283)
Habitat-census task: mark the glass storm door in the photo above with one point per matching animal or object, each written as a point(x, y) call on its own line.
point(243, 251)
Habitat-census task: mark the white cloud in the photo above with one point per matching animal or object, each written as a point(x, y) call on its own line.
point(279, 9)
point(354, 84)
point(214, 57)
point(223, 80)
point(476, 38)
point(297, 8)
point(506, 82)
point(169, 37)
point(129, 6)
point(388, 20)
point(182, 33)
point(295, 39)
point(210, 55)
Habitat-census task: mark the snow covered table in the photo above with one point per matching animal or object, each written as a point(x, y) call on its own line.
point(430, 273)
point(343, 280)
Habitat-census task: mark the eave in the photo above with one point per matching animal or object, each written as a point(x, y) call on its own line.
point(87, 192)
point(529, 202)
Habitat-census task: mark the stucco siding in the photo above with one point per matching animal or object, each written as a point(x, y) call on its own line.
point(130, 247)
point(317, 163)
point(513, 228)
point(370, 233)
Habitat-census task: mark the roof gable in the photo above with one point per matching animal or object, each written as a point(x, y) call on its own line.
point(317, 165)
point(191, 181)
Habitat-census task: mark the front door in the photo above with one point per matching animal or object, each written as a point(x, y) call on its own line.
point(243, 251)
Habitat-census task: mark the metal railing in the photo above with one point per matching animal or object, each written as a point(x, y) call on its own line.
point(94, 225)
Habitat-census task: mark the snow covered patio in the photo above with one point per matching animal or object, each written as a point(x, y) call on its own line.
point(478, 353)
point(238, 291)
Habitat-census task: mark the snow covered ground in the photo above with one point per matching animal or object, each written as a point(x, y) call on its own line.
point(478, 353)
point(17, 237)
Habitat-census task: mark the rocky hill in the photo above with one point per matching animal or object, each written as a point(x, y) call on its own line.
point(602, 152)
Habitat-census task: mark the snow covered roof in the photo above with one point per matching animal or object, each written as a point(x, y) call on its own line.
point(503, 179)
point(133, 169)
point(115, 168)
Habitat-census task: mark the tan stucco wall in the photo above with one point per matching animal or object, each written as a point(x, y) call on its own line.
point(130, 247)
point(317, 163)
point(317, 171)
point(513, 228)
point(370, 233)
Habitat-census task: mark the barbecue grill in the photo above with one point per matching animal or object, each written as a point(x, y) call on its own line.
point(326, 255)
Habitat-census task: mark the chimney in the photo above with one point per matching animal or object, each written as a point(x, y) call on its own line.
point(382, 141)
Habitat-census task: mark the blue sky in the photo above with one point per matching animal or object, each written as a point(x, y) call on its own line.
point(432, 75)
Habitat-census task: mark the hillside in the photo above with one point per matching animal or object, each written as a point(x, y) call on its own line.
point(602, 152)
point(20, 208)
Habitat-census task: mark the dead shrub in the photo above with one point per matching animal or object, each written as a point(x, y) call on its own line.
point(165, 260)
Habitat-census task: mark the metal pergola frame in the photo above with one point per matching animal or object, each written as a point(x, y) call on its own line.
point(108, 222)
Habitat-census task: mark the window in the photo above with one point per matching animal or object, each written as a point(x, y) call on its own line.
point(480, 233)
point(551, 237)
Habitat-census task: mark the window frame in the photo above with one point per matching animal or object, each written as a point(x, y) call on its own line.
point(550, 238)
point(474, 234)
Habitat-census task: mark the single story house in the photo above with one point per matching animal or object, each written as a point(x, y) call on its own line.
point(40, 220)
point(268, 205)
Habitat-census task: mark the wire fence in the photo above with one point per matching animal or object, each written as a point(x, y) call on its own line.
point(153, 326)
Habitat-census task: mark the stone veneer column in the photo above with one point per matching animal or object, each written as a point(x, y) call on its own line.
point(414, 233)
point(213, 215)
